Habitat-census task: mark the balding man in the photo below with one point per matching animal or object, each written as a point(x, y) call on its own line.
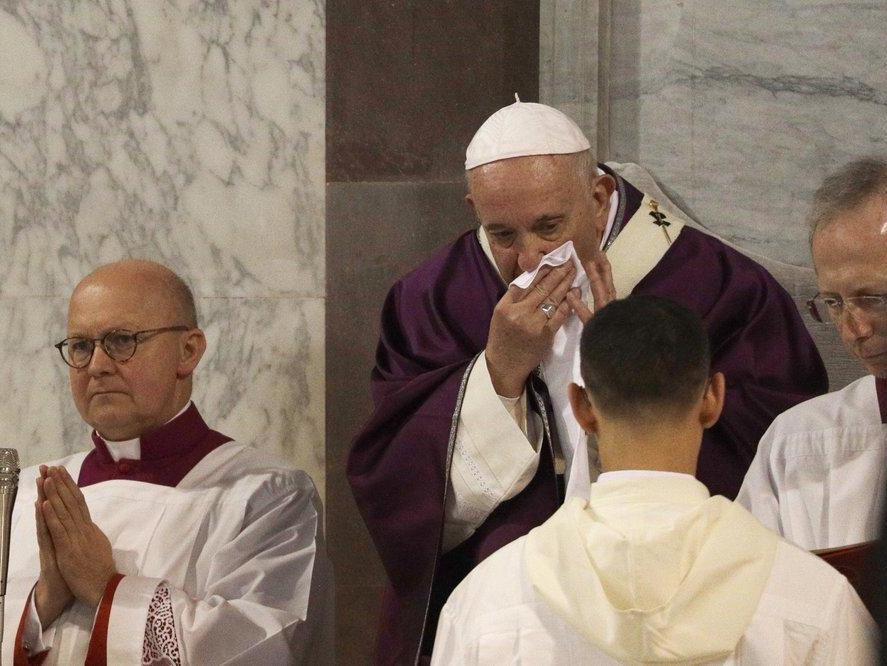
point(167, 542)
point(818, 477)
point(473, 427)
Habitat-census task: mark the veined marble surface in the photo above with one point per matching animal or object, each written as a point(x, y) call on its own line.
point(189, 132)
point(742, 108)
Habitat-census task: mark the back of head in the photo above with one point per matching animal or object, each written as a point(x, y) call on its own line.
point(846, 189)
point(643, 358)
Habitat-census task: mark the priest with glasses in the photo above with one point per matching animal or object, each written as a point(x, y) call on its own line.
point(166, 542)
point(818, 475)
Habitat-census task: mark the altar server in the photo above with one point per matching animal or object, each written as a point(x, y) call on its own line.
point(649, 568)
point(819, 474)
point(166, 542)
point(472, 435)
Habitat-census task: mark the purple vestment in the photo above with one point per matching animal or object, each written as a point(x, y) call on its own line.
point(434, 324)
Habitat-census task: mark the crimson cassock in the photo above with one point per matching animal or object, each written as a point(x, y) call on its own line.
point(434, 324)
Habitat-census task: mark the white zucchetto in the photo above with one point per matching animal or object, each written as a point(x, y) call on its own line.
point(524, 128)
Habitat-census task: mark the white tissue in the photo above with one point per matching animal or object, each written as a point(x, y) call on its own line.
point(560, 367)
point(558, 257)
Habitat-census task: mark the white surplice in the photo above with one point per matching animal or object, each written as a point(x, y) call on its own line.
point(819, 475)
point(238, 542)
point(652, 569)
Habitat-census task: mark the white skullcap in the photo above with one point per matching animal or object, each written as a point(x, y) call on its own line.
point(524, 128)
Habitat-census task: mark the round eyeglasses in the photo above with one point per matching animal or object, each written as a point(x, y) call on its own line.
point(119, 344)
point(822, 308)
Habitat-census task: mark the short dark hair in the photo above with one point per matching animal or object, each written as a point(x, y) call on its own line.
point(846, 189)
point(644, 356)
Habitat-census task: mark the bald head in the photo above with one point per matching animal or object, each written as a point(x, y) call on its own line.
point(148, 281)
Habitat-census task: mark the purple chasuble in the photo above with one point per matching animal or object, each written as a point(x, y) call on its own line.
point(434, 324)
point(168, 453)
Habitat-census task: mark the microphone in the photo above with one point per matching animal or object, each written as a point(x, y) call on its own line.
point(8, 488)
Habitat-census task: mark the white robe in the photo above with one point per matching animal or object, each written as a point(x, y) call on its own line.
point(806, 612)
point(238, 542)
point(819, 475)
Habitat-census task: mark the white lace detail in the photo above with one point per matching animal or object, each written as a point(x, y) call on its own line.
point(161, 646)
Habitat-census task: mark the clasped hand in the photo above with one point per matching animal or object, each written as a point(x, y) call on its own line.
point(521, 333)
point(76, 561)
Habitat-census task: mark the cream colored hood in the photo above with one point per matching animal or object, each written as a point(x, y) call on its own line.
point(652, 569)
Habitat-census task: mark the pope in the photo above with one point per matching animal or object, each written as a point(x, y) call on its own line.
point(472, 442)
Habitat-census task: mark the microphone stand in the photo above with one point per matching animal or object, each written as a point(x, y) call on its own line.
point(8, 488)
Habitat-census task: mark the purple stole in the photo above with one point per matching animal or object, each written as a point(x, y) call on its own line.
point(434, 324)
point(168, 453)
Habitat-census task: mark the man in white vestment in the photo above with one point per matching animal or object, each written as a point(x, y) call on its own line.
point(167, 543)
point(818, 477)
point(650, 567)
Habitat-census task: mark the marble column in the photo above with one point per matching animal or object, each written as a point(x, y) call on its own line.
point(191, 133)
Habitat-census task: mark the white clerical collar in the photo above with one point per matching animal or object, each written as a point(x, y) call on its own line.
point(131, 449)
point(636, 473)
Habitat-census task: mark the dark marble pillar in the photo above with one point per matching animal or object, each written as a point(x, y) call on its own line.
point(408, 83)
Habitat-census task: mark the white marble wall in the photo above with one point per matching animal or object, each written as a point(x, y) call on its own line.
point(741, 108)
point(189, 132)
